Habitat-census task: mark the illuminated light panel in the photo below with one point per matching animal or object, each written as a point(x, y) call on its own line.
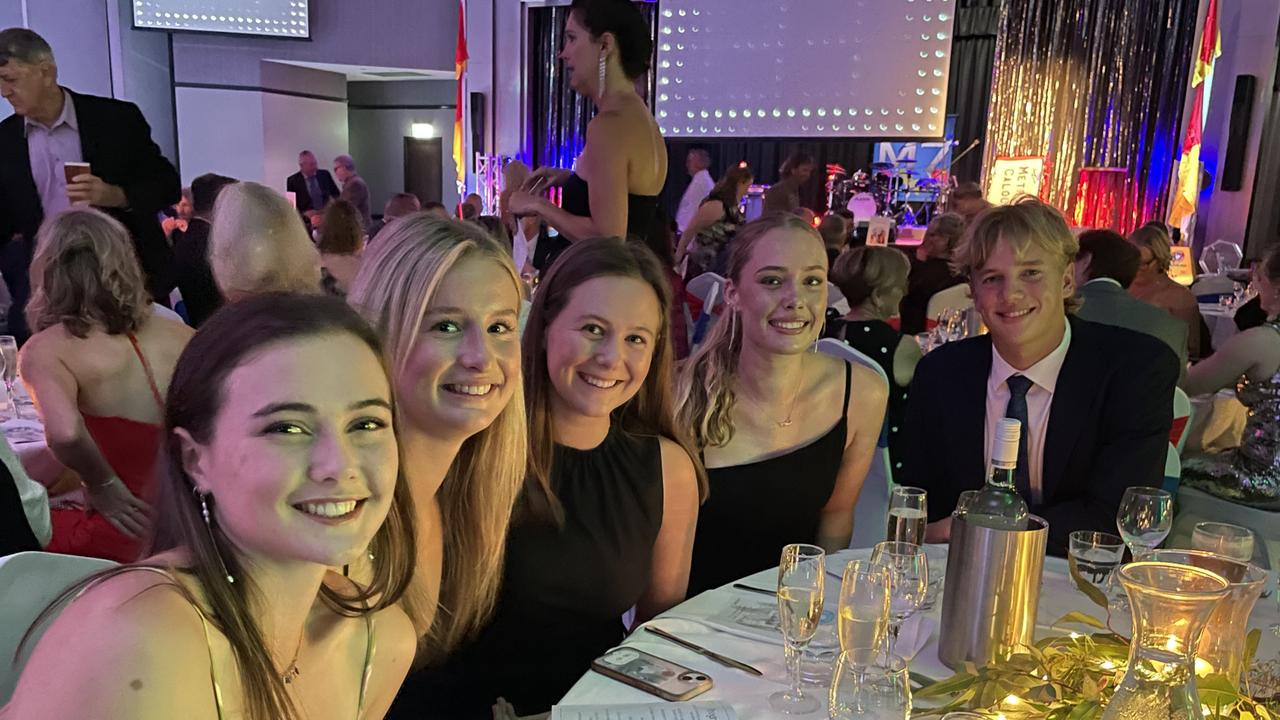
point(277, 18)
point(737, 55)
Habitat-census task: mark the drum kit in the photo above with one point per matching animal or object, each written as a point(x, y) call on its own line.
point(891, 190)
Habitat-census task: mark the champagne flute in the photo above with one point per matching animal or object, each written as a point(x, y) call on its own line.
point(1223, 539)
point(1144, 519)
point(868, 686)
point(801, 574)
point(908, 581)
point(9, 351)
point(863, 613)
point(908, 513)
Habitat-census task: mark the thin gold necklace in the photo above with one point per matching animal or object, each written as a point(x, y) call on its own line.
point(291, 673)
point(794, 398)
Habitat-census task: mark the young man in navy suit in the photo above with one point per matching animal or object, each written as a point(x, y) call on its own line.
point(1096, 402)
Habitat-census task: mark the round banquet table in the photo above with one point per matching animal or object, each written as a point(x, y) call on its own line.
point(695, 620)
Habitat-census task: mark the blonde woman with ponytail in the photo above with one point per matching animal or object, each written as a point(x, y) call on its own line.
point(786, 434)
point(445, 298)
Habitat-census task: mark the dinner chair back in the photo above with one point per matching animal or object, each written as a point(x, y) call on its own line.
point(29, 581)
point(1182, 416)
point(870, 514)
point(955, 297)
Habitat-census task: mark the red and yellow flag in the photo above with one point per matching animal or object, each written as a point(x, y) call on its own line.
point(1188, 182)
point(460, 58)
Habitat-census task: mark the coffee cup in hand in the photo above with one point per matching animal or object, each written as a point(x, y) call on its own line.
point(71, 170)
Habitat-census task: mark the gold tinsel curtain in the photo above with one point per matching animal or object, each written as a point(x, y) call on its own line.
point(1093, 83)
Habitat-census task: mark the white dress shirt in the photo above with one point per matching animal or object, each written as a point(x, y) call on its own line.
point(699, 188)
point(1044, 378)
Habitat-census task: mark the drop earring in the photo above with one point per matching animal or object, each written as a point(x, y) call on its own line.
point(600, 85)
point(208, 525)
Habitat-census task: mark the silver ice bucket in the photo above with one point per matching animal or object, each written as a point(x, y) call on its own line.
point(991, 593)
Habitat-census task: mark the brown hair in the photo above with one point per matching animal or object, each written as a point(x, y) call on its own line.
point(865, 273)
point(793, 163)
point(949, 226)
point(704, 393)
point(726, 190)
point(1156, 239)
point(397, 280)
point(85, 274)
point(196, 393)
point(342, 230)
point(1026, 222)
point(650, 412)
point(1110, 256)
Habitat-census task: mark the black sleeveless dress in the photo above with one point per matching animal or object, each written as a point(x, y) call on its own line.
point(757, 508)
point(644, 217)
point(564, 590)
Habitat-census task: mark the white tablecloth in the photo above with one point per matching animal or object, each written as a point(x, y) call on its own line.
point(749, 694)
point(1221, 322)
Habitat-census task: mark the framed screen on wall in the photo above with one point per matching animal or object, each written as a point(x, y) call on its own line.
point(273, 18)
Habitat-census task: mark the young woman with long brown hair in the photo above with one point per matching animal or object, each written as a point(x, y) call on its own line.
point(281, 464)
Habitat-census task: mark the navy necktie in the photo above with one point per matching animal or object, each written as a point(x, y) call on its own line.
point(1017, 409)
point(313, 189)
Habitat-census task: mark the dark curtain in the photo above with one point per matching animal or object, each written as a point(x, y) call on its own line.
point(973, 49)
point(559, 116)
point(1094, 83)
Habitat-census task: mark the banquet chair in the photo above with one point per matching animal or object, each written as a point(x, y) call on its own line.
point(1213, 285)
point(707, 287)
point(872, 508)
point(955, 297)
point(835, 299)
point(29, 581)
point(1183, 417)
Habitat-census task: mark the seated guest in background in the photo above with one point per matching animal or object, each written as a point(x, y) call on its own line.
point(851, 224)
point(873, 280)
point(341, 242)
point(1153, 285)
point(279, 421)
point(1104, 268)
point(835, 236)
point(967, 200)
point(619, 175)
point(200, 293)
point(784, 195)
point(436, 210)
point(128, 178)
point(97, 367)
point(1096, 402)
point(397, 206)
point(781, 470)
point(177, 217)
point(931, 270)
point(24, 506)
point(354, 189)
point(696, 163)
point(708, 233)
point(444, 298)
point(312, 188)
point(258, 244)
point(1249, 362)
point(472, 207)
point(546, 247)
point(606, 518)
point(496, 229)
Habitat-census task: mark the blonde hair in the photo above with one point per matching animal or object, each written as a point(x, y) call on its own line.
point(868, 273)
point(258, 244)
point(85, 274)
point(1027, 222)
point(704, 391)
point(397, 280)
point(1155, 238)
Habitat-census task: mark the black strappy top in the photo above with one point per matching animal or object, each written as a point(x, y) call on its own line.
point(756, 508)
point(644, 219)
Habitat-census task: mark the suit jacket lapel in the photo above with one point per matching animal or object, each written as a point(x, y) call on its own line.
point(88, 138)
point(1071, 399)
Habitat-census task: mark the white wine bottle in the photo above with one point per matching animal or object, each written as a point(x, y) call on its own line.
point(998, 504)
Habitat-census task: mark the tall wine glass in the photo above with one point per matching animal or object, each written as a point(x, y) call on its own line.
point(863, 614)
point(1144, 519)
point(908, 513)
point(801, 574)
point(9, 352)
point(908, 581)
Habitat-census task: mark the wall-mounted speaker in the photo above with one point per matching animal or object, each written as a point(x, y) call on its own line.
point(1238, 133)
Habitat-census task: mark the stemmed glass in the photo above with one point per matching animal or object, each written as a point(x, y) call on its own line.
point(868, 686)
point(9, 352)
point(801, 574)
point(863, 613)
point(908, 581)
point(1223, 539)
point(1144, 519)
point(908, 513)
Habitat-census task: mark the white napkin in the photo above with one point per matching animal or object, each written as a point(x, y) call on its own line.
point(914, 635)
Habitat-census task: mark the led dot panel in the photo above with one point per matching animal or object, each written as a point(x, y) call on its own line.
point(803, 68)
point(281, 18)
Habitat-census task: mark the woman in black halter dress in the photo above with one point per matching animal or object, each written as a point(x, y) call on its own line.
point(623, 166)
point(787, 435)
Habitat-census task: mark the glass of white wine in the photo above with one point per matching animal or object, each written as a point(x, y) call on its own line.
point(801, 577)
point(908, 513)
point(863, 614)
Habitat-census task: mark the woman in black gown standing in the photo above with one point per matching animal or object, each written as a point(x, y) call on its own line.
point(613, 191)
point(607, 516)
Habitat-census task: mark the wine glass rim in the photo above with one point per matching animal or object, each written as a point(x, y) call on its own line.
point(803, 550)
point(1145, 491)
point(1217, 526)
point(1131, 572)
point(908, 490)
point(1096, 538)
